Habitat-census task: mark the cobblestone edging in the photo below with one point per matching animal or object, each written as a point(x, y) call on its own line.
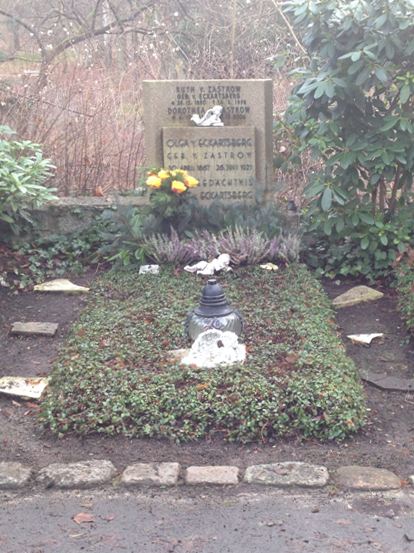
point(288, 475)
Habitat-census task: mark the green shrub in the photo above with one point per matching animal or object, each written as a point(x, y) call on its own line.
point(354, 109)
point(31, 260)
point(366, 245)
point(121, 235)
point(23, 170)
point(404, 284)
point(114, 375)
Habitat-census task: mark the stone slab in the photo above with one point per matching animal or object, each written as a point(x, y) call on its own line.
point(357, 294)
point(23, 387)
point(354, 477)
point(85, 474)
point(246, 103)
point(150, 474)
point(388, 382)
point(14, 475)
point(60, 285)
point(220, 475)
point(290, 474)
point(34, 329)
point(223, 160)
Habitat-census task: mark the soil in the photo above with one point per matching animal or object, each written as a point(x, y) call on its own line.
point(386, 441)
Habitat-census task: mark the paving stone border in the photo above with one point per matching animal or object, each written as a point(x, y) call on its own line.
point(287, 475)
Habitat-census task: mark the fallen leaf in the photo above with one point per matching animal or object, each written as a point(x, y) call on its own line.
point(108, 518)
point(32, 405)
point(343, 521)
point(292, 358)
point(98, 192)
point(83, 517)
point(17, 404)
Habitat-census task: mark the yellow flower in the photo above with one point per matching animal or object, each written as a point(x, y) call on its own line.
point(179, 173)
point(163, 174)
point(153, 182)
point(190, 181)
point(178, 186)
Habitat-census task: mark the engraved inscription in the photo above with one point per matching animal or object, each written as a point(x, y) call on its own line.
point(223, 160)
point(195, 99)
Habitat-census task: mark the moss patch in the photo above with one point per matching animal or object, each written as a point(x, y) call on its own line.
point(114, 377)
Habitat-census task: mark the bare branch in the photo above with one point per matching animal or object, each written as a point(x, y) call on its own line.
point(91, 33)
point(29, 28)
point(289, 26)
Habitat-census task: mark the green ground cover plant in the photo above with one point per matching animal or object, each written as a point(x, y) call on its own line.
point(114, 375)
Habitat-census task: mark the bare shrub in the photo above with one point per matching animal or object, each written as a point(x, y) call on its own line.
point(73, 77)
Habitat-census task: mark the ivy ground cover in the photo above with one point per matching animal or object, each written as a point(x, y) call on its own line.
point(115, 375)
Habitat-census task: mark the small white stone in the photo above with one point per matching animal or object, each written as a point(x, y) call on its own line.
point(60, 285)
point(364, 338)
point(149, 270)
point(215, 347)
point(269, 267)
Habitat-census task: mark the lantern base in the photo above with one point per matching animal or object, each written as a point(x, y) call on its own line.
point(196, 324)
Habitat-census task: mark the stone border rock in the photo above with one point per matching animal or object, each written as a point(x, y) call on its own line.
point(287, 475)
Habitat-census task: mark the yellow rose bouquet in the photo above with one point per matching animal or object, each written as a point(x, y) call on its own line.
point(175, 181)
point(169, 202)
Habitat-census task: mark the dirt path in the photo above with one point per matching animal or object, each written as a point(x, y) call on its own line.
point(387, 440)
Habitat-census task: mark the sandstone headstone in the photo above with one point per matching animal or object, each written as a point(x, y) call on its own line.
point(215, 347)
point(34, 329)
point(233, 162)
point(357, 294)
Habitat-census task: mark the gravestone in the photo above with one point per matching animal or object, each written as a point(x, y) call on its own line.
point(234, 162)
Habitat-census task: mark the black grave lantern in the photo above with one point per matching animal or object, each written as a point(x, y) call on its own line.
point(214, 311)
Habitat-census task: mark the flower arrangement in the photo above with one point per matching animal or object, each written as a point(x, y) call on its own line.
point(175, 181)
point(169, 204)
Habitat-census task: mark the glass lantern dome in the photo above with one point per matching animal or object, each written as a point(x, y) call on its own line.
point(214, 311)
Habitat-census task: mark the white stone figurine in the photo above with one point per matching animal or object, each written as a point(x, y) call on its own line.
point(211, 118)
point(215, 347)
